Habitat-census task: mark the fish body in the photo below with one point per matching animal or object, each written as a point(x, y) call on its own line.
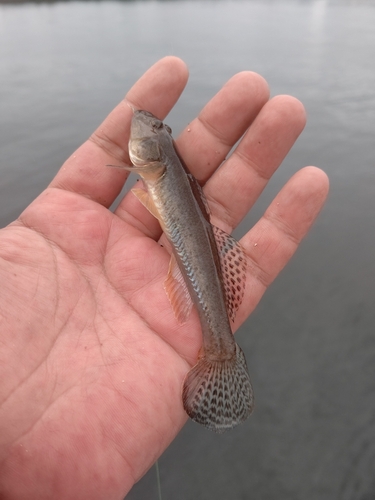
point(207, 269)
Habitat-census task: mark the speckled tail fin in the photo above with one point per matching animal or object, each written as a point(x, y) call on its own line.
point(218, 394)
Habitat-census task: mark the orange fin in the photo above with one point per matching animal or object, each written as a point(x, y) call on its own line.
point(233, 267)
point(218, 394)
point(146, 201)
point(178, 292)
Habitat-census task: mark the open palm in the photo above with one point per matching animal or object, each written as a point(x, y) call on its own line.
point(92, 359)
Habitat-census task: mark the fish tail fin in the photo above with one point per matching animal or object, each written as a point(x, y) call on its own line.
point(218, 394)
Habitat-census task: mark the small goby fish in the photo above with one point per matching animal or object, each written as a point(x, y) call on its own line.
point(207, 269)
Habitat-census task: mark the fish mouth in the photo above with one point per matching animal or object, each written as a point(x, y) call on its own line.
point(148, 169)
point(136, 160)
point(137, 157)
point(144, 149)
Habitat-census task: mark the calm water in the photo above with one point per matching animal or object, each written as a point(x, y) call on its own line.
point(310, 344)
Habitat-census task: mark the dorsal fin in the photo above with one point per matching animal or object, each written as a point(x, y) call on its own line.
point(199, 196)
point(233, 267)
point(195, 187)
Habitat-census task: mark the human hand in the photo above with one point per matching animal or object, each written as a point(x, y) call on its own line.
point(92, 359)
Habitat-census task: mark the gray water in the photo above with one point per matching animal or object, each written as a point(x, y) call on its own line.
point(310, 344)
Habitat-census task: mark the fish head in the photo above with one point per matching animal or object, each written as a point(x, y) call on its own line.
point(147, 136)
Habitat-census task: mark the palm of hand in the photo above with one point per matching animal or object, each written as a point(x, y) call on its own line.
point(93, 359)
point(99, 282)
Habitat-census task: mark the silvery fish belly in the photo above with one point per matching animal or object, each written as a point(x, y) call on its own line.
point(207, 269)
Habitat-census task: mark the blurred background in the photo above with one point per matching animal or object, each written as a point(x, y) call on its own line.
point(310, 344)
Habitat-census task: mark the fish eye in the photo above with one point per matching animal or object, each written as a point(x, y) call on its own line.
point(157, 124)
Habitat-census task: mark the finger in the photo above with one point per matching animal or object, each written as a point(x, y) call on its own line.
point(273, 240)
point(235, 187)
point(85, 172)
point(208, 139)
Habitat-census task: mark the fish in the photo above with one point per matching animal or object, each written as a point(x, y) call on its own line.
point(207, 270)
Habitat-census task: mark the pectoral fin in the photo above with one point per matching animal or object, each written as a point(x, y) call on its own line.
point(233, 267)
point(146, 201)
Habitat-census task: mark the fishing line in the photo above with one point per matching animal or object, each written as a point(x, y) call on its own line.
point(158, 479)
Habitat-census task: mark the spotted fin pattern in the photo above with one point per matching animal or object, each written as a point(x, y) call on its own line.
point(233, 268)
point(218, 394)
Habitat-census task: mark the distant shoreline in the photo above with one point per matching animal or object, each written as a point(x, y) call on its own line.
point(10, 2)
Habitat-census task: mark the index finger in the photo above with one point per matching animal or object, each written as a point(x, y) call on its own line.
point(85, 172)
